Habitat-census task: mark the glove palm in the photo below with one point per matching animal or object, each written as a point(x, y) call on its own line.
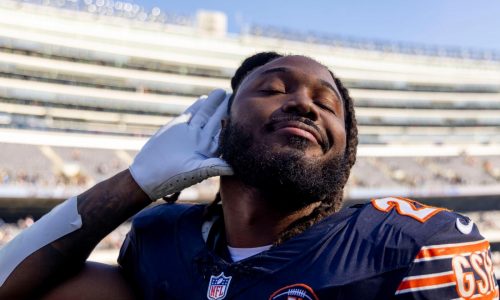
point(184, 151)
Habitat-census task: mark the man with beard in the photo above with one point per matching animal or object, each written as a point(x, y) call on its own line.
point(275, 230)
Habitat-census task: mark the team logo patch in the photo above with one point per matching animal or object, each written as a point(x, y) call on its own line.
point(298, 291)
point(465, 228)
point(217, 287)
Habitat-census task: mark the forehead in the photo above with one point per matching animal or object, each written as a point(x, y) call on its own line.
point(301, 66)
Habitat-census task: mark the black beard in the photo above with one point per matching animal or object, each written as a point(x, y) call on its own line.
point(287, 178)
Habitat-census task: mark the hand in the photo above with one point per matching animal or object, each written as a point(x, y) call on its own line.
point(184, 151)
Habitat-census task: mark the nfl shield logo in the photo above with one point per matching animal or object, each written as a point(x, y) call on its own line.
point(217, 287)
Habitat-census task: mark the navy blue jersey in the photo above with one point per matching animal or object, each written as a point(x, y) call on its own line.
point(391, 248)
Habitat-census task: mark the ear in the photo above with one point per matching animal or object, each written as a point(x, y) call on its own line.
point(223, 123)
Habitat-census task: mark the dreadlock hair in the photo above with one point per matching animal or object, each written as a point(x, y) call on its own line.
point(327, 206)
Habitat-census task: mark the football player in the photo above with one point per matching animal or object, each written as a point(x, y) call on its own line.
point(283, 143)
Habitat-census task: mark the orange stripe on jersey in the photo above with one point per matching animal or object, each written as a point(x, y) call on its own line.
point(426, 281)
point(452, 249)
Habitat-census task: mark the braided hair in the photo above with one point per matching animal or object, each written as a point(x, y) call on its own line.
point(333, 203)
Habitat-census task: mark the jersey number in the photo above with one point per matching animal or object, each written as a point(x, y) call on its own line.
point(406, 207)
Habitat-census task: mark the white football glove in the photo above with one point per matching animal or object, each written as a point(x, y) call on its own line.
point(184, 151)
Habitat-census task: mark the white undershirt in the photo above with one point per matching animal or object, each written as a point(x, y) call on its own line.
point(238, 254)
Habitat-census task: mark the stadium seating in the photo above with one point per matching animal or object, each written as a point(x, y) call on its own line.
point(84, 83)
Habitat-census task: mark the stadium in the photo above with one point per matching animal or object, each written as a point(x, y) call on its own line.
point(83, 84)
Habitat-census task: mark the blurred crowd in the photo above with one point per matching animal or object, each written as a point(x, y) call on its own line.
point(83, 168)
point(55, 167)
point(112, 241)
point(425, 172)
point(23, 177)
point(50, 166)
point(486, 221)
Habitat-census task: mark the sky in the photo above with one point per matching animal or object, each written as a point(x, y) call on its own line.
point(471, 24)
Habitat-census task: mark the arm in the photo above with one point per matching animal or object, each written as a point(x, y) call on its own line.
point(102, 208)
point(94, 282)
point(181, 153)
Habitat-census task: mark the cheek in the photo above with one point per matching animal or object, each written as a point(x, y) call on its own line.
point(341, 142)
point(252, 112)
point(339, 135)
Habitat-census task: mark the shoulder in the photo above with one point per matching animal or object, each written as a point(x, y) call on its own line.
point(162, 214)
point(404, 231)
point(441, 253)
point(153, 238)
point(450, 259)
point(422, 224)
point(154, 226)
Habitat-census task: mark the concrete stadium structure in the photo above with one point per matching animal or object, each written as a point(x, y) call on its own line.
point(84, 83)
point(94, 75)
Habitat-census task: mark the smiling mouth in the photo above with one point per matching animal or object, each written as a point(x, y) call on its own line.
point(300, 132)
point(302, 129)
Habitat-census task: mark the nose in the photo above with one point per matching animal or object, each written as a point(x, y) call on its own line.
point(301, 104)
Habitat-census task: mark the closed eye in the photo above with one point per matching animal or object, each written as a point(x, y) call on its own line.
point(325, 106)
point(272, 91)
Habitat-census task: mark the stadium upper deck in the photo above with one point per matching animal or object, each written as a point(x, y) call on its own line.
point(84, 82)
point(117, 68)
point(112, 69)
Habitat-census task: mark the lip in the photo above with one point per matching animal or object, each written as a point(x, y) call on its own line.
point(301, 129)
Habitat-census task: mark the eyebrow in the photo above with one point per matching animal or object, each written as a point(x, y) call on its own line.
point(277, 70)
point(323, 83)
point(331, 87)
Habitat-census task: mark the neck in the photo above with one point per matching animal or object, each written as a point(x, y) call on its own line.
point(249, 219)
